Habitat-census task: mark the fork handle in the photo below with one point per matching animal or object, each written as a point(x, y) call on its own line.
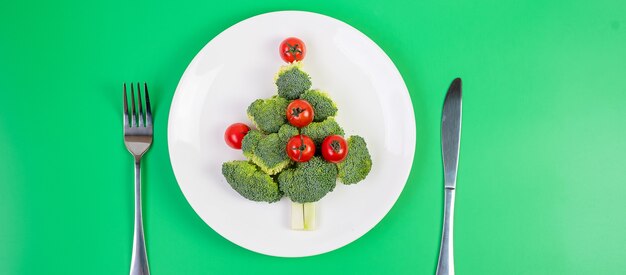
point(139, 262)
point(445, 266)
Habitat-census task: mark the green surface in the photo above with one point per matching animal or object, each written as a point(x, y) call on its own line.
point(542, 178)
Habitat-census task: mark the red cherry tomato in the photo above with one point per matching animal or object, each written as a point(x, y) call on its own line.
point(334, 149)
point(300, 113)
point(292, 49)
point(300, 148)
point(234, 134)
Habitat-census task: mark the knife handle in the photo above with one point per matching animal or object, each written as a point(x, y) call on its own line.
point(445, 266)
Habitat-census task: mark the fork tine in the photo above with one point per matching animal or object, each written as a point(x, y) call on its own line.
point(148, 110)
point(125, 107)
point(133, 114)
point(140, 116)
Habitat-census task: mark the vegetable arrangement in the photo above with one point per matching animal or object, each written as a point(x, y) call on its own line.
point(297, 149)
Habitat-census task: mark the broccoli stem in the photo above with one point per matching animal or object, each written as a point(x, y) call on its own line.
point(303, 216)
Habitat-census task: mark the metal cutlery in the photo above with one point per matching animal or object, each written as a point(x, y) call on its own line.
point(138, 138)
point(450, 142)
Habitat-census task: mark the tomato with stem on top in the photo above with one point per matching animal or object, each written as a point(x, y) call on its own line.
point(300, 148)
point(334, 148)
point(292, 49)
point(300, 113)
point(234, 134)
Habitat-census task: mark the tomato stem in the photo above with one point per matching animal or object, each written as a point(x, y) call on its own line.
point(295, 112)
point(293, 49)
point(335, 145)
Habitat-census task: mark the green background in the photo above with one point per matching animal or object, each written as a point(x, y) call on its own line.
point(542, 170)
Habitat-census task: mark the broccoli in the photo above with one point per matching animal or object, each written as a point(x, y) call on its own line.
point(292, 81)
point(286, 132)
point(306, 184)
point(308, 181)
point(250, 141)
point(249, 182)
point(323, 106)
point(268, 114)
point(268, 151)
point(270, 154)
point(358, 162)
point(317, 131)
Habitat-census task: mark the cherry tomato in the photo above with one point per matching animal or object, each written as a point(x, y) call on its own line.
point(300, 148)
point(234, 134)
point(292, 49)
point(300, 113)
point(334, 148)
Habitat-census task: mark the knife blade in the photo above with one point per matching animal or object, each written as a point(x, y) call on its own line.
point(450, 143)
point(451, 132)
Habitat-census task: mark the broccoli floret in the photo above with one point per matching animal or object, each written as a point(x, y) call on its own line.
point(292, 81)
point(286, 132)
point(358, 162)
point(268, 114)
point(268, 151)
point(309, 181)
point(250, 141)
point(323, 106)
point(270, 154)
point(317, 131)
point(250, 182)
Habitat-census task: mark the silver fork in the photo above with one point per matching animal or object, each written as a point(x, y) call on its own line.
point(138, 138)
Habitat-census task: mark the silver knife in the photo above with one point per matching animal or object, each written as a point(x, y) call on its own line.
point(450, 141)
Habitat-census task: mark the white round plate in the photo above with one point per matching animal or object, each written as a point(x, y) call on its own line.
point(237, 67)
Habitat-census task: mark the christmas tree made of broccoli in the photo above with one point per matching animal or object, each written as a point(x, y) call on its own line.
point(297, 149)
